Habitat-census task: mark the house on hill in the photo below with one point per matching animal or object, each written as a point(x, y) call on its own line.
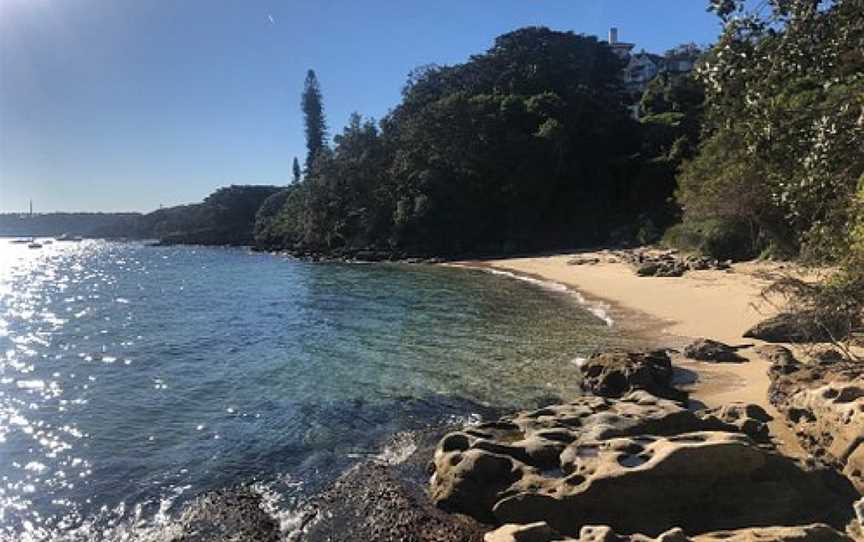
point(620, 48)
point(642, 67)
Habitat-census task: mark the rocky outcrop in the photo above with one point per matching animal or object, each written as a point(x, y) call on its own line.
point(752, 420)
point(615, 374)
point(824, 404)
point(668, 263)
point(226, 515)
point(639, 464)
point(376, 502)
point(671, 268)
point(782, 359)
point(648, 262)
point(793, 328)
point(584, 260)
point(541, 532)
point(713, 351)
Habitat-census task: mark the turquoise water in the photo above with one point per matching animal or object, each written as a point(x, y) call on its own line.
point(133, 378)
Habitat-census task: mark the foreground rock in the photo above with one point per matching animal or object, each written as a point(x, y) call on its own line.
point(227, 515)
point(615, 374)
point(374, 503)
point(639, 464)
point(752, 420)
point(541, 532)
point(713, 351)
point(824, 404)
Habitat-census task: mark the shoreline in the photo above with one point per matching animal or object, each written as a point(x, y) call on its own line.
point(669, 313)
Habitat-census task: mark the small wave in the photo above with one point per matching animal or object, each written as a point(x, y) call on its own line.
point(398, 450)
point(293, 518)
point(598, 309)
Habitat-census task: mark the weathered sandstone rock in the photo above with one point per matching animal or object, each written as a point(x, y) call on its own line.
point(750, 419)
point(824, 403)
point(541, 532)
point(781, 358)
point(714, 351)
point(639, 464)
point(792, 328)
point(617, 373)
point(534, 532)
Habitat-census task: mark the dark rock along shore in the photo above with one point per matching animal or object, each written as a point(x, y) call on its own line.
point(619, 464)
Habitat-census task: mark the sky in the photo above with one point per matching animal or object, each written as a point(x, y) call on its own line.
point(126, 105)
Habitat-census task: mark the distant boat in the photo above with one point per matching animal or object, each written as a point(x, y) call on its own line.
point(24, 241)
point(48, 242)
point(34, 244)
point(67, 237)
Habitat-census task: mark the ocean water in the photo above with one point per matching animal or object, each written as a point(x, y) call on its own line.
point(133, 378)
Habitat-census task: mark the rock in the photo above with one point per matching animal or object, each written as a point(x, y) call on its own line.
point(223, 516)
point(816, 532)
point(583, 261)
point(376, 502)
point(824, 404)
point(697, 263)
point(648, 269)
point(790, 328)
point(661, 269)
point(708, 350)
point(614, 374)
point(638, 464)
point(781, 358)
point(371, 255)
point(750, 419)
point(828, 355)
point(535, 532)
point(603, 533)
point(859, 510)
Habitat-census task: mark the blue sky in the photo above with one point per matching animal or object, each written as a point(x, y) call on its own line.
point(128, 104)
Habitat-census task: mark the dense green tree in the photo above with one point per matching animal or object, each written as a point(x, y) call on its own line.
point(527, 145)
point(313, 116)
point(295, 169)
point(225, 217)
point(784, 94)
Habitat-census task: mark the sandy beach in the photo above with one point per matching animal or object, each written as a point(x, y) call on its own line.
point(671, 312)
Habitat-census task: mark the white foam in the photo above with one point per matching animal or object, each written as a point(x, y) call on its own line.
point(579, 362)
point(398, 450)
point(293, 519)
point(596, 308)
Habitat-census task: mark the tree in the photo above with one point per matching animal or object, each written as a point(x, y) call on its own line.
point(296, 170)
point(783, 137)
point(313, 115)
point(525, 146)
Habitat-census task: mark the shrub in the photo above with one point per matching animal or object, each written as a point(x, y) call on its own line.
point(719, 239)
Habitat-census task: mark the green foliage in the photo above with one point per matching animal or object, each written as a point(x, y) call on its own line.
point(313, 115)
point(783, 142)
point(265, 230)
point(669, 133)
point(225, 217)
point(527, 145)
point(718, 239)
point(667, 93)
point(295, 170)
